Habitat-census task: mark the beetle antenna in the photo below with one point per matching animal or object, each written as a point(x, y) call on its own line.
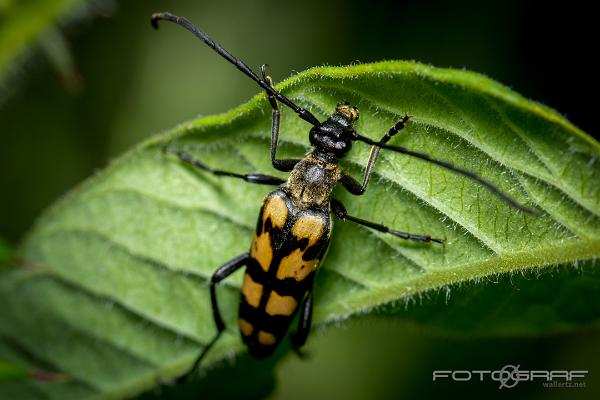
point(239, 64)
point(484, 182)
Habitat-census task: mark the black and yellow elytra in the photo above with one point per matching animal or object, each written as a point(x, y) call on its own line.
point(286, 250)
point(291, 238)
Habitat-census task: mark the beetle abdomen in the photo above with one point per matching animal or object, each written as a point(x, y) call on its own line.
point(287, 248)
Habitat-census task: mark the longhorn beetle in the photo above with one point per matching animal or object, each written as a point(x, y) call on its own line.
point(294, 223)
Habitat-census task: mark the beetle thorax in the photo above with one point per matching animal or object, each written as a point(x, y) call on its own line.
point(311, 182)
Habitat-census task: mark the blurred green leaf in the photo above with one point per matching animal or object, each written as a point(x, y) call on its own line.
point(11, 372)
point(117, 295)
point(22, 22)
point(6, 254)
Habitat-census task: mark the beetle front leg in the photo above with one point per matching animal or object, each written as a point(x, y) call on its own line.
point(351, 184)
point(284, 165)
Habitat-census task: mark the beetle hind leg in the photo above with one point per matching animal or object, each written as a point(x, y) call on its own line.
point(221, 273)
point(298, 338)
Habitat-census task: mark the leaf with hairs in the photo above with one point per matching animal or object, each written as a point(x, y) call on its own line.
point(113, 291)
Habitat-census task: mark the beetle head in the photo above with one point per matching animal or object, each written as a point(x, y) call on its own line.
point(334, 136)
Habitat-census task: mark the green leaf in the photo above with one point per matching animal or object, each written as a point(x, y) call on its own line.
point(6, 254)
point(10, 371)
point(114, 293)
point(25, 21)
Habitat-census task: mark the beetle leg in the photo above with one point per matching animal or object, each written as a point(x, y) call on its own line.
point(299, 338)
point(285, 165)
point(340, 211)
point(260, 179)
point(351, 184)
point(221, 273)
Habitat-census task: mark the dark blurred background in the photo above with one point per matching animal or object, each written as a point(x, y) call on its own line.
point(57, 128)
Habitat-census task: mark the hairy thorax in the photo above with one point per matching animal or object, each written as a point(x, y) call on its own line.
point(311, 182)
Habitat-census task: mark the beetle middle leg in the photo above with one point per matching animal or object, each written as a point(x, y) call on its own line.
point(221, 273)
point(284, 165)
point(260, 179)
point(340, 211)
